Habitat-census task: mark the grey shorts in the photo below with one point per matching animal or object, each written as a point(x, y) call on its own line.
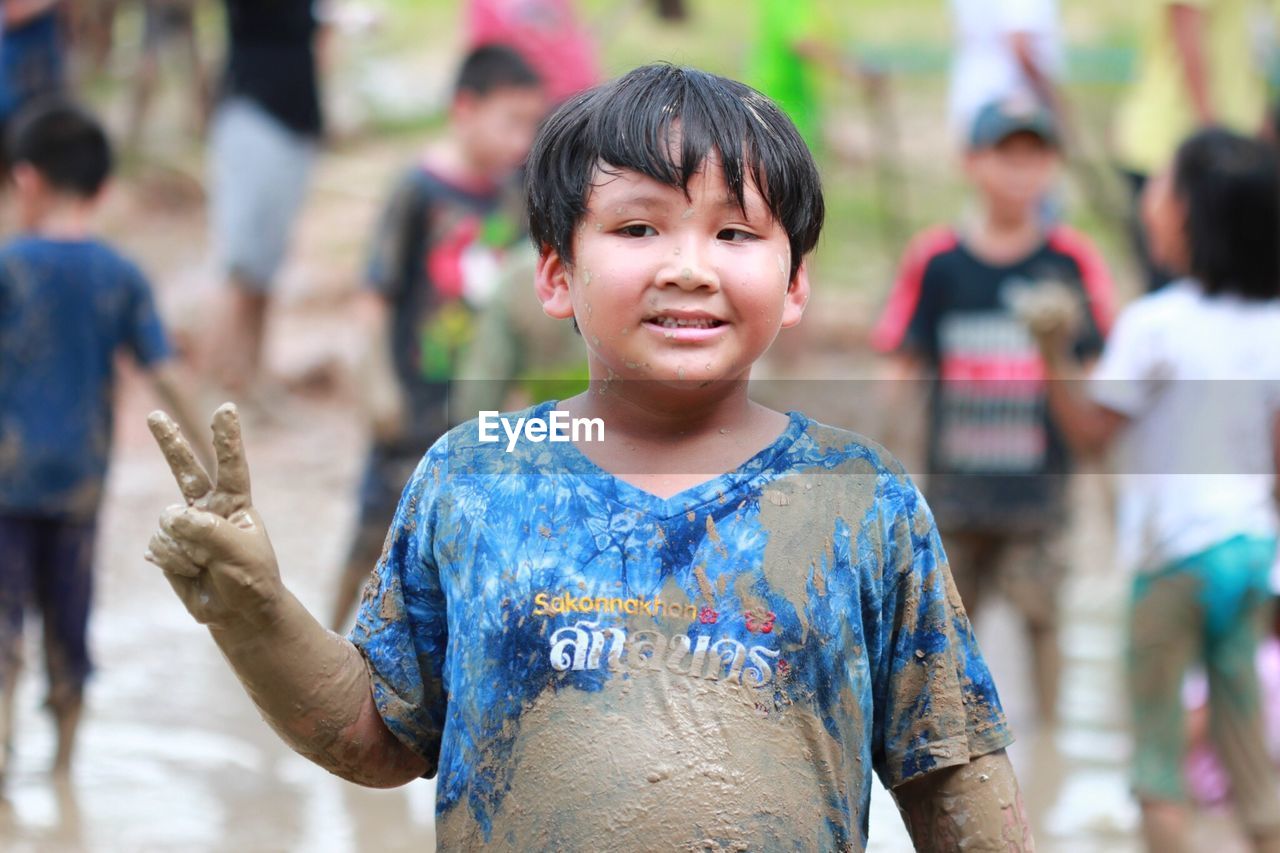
point(258, 175)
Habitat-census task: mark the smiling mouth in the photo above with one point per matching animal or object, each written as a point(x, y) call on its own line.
point(686, 322)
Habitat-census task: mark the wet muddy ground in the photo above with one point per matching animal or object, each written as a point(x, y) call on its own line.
point(173, 756)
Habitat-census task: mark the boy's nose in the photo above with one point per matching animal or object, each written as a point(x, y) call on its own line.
point(687, 268)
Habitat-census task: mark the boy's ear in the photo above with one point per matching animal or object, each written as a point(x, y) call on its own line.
point(551, 281)
point(26, 178)
point(797, 296)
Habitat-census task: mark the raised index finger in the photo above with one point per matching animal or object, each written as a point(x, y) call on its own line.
point(233, 470)
point(193, 480)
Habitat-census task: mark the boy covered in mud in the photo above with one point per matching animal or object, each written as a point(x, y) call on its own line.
point(434, 263)
point(704, 631)
point(69, 304)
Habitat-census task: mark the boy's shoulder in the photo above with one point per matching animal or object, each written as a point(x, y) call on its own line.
point(928, 245)
point(1075, 244)
point(430, 179)
point(866, 465)
point(93, 254)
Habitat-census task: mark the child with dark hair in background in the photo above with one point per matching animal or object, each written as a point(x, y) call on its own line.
point(434, 263)
point(997, 468)
point(706, 628)
point(68, 305)
point(1189, 386)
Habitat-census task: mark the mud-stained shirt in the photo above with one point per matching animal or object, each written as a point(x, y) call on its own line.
point(585, 665)
point(67, 309)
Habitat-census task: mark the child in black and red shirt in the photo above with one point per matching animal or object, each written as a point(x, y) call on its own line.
point(996, 465)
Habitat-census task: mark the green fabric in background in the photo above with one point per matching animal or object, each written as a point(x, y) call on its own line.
point(777, 70)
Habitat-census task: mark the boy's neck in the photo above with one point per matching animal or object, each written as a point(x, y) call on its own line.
point(638, 409)
point(60, 218)
point(1004, 238)
point(449, 159)
point(665, 443)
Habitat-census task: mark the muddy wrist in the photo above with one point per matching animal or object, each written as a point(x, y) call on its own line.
point(266, 616)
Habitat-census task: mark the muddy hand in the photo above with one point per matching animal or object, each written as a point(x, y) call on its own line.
point(214, 549)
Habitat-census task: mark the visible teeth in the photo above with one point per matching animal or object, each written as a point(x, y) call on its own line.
point(674, 323)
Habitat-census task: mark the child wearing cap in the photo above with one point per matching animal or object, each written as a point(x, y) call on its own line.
point(996, 465)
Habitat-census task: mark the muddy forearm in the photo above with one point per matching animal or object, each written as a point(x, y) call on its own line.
point(313, 689)
point(974, 807)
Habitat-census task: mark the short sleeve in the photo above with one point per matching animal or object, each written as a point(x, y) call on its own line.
point(144, 335)
point(396, 247)
point(909, 320)
point(402, 626)
point(1121, 379)
point(936, 703)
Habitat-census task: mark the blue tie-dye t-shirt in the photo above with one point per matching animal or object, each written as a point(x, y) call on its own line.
point(588, 666)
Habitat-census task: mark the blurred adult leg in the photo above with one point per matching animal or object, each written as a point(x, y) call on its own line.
point(259, 171)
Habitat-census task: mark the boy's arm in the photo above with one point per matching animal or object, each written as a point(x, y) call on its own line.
point(1089, 428)
point(377, 386)
point(310, 685)
point(972, 807)
point(395, 253)
point(1053, 315)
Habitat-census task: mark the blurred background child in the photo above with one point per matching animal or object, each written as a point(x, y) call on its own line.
point(69, 304)
point(433, 264)
point(1187, 385)
point(996, 467)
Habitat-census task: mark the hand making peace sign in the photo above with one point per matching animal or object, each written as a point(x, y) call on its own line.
point(214, 549)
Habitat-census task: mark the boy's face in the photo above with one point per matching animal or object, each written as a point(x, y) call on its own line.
point(1164, 219)
point(1013, 175)
point(674, 289)
point(496, 130)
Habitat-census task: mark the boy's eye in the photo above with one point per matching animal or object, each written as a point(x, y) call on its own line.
point(735, 235)
point(637, 231)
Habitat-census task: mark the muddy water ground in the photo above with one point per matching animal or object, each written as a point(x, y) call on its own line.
point(173, 756)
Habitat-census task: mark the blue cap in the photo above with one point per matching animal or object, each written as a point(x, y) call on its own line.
point(999, 120)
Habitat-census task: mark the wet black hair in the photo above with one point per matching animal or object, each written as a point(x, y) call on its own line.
point(494, 66)
point(64, 142)
point(629, 123)
point(1231, 187)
